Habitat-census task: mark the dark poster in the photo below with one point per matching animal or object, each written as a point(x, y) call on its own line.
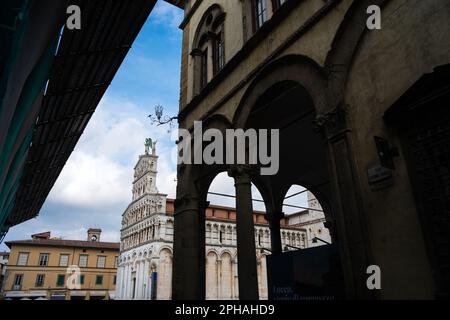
point(309, 274)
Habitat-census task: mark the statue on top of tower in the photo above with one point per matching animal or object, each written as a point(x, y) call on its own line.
point(150, 144)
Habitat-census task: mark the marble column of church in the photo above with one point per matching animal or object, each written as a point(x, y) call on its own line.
point(189, 250)
point(127, 281)
point(119, 282)
point(146, 277)
point(123, 282)
point(141, 279)
point(246, 250)
point(138, 281)
point(274, 218)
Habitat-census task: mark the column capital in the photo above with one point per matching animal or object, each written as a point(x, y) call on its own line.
point(196, 52)
point(275, 215)
point(241, 173)
point(333, 121)
point(185, 202)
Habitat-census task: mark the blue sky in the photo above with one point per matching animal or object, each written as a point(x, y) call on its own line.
point(94, 187)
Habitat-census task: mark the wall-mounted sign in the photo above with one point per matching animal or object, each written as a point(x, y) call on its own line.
point(380, 178)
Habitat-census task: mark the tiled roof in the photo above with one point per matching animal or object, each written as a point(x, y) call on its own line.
point(66, 243)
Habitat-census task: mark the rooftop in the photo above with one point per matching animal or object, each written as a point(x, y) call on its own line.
point(65, 243)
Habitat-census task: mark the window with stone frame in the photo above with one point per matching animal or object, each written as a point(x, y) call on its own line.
point(208, 47)
point(22, 259)
point(40, 280)
point(43, 259)
point(204, 68)
point(83, 261)
point(260, 12)
point(219, 52)
point(276, 4)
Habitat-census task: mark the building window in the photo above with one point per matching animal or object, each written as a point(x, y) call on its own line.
point(278, 3)
point(116, 262)
point(219, 52)
point(81, 279)
point(64, 260)
point(260, 12)
point(43, 259)
point(115, 280)
point(99, 280)
point(204, 68)
point(60, 280)
point(40, 280)
point(101, 261)
point(22, 259)
point(83, 261)
point(208, 47)
point(17, 285)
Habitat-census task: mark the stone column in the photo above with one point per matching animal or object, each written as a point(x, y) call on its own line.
point(219, 276)
point(146, 278)
point(162, 230)
point(188, 282)
point(142, 282)
point(129, 282)
point(246, 251)
point(351, 223)
point(275, 235)
point(118, 281)
point(138, 281)
point(125, 281)
point(196, 57)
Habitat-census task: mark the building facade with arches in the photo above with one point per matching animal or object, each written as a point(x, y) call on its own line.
point(357, 111)
point(146, 249)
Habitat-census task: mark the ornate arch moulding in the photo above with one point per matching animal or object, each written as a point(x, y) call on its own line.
point(296, 68)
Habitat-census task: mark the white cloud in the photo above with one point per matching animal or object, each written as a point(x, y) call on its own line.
point(92, 182)
point(99, 173)
point(224, 184)
point(166, 13)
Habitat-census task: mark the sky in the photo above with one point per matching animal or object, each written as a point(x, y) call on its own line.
point(94, 188)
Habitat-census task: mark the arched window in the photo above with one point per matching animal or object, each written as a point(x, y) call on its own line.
point(208, 47)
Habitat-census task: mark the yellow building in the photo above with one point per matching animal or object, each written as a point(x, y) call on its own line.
point(52, 268)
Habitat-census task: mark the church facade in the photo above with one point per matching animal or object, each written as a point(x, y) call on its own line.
point(146, 249)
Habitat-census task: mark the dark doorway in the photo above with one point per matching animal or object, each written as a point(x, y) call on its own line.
point(422, 116)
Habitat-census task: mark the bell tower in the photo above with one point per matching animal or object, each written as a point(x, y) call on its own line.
point(145, 172)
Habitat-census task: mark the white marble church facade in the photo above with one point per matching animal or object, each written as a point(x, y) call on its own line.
point(145, 263)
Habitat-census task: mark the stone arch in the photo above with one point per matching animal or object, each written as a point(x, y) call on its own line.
point(165, 247)
point(344, 45)
point(298, 68)
point(216, 15)
point(262, 276)
point(226, 275)
point(321, 196)
point(212, 280)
